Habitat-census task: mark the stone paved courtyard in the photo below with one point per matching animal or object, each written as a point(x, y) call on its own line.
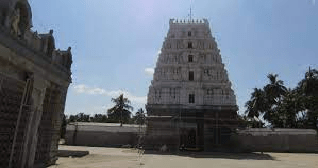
point(120, 157)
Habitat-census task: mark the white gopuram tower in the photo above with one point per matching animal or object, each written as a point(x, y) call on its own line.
point(190, 100)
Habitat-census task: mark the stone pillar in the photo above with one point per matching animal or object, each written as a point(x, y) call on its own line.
point(38, 95)
point(57, 117)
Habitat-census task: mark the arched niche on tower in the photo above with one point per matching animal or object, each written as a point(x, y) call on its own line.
point(4, 12)
point(21, 17)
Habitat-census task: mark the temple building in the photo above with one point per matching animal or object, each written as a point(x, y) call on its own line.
point(190, 100)
point(34, 79)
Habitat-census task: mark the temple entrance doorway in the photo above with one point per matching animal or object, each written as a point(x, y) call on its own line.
point(188, 138)
point(191, 141)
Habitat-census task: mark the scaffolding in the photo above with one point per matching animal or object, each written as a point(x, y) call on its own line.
point(14, 111)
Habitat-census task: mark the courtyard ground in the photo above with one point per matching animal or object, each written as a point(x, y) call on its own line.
point(100, 157)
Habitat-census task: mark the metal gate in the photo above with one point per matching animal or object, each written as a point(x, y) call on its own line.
point(14, 112)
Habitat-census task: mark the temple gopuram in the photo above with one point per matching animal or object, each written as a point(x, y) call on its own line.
point(34, 79)
point(190, 102)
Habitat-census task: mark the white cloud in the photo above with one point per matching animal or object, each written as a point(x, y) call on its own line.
point(83, 89)
point(314, 2)
point(149, 71)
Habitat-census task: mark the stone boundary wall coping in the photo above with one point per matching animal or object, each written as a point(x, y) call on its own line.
point(104, 127)
point(277, 131)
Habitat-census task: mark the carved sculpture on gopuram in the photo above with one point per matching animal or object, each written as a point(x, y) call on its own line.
point(15, 19)
point(190, 102)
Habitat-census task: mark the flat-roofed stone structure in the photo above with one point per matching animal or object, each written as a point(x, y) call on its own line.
point(190, 99)
point(34, 79)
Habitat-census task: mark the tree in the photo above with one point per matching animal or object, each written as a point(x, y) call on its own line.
point(73, 118)
point(308, 85)
point(140, 117)
point(275, 90)
point(121, 110)
point(308, 90)
point(257, 104)
point(289, 109)
point(286, 108)
point(274, 93)
point(81, 117)
point(100, 118)
point(253, 122)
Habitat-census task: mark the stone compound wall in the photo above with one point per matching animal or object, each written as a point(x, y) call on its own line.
point(249, 140)
point(277, 140)
point(102, 134)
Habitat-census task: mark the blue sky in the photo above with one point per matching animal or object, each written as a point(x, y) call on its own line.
point(115, 43)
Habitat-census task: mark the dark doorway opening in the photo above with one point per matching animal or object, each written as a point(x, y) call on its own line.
point(191, 141)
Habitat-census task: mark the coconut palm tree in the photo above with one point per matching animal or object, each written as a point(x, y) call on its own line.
point(256, 105)
point(308, 89)
point(121, 109)
point(308, 85)
point(140, 117)
point(290, 109)
point(140, 120)
point(275, 90)
point(274, 93)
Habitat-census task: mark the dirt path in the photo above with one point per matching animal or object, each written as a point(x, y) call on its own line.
point(117, 157)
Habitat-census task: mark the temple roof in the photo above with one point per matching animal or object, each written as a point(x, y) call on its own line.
point(189, 21)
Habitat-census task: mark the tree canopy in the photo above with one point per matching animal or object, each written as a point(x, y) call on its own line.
point(285, 107)
point(121, 111)
point(140, 117)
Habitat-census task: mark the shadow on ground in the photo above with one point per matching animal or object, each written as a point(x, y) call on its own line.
point(71, 153)
point(220, 155)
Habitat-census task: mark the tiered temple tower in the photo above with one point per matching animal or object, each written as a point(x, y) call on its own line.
point(190, 100)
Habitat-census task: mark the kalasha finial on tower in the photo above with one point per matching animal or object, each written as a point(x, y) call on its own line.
point(190, 12)
point(190, 15)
